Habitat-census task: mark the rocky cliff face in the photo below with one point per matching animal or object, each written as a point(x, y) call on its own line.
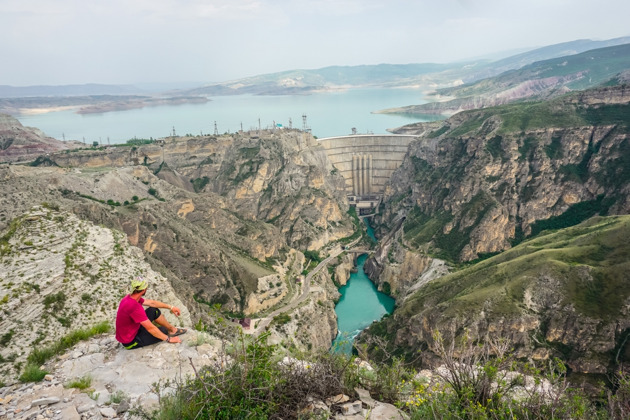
point(313, 324)
point(19, 143)
point(343, 269)
point(281, 177)
point(488, 178)
point(208, 253)
point(398, 270)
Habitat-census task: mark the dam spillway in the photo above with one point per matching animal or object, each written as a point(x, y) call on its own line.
point(366, 161)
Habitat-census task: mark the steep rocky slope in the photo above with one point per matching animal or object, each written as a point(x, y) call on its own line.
point(58, 274)
point(563, 294)
point(486, 179)
point(18, 143)
point(313, 323)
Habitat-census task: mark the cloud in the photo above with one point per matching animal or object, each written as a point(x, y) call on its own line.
point(123, 41)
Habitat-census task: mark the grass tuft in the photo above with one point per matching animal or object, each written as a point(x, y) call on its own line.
point(39, 356)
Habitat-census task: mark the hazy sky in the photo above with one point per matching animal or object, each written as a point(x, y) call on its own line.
point(129, 41)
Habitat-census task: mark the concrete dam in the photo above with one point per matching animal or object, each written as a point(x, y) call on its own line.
point(366, 161)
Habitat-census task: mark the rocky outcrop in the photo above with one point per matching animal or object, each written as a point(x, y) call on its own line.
point(19, 143)
point(398, 271)
point(207, 251)
point(120, 382)
point(487, 178)
point(281, 177)
point(344, 269)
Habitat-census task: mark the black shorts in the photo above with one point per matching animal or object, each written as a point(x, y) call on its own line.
point(144, 337)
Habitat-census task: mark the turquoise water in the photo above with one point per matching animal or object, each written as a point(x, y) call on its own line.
point(328, 114)
point(370, 231)
point(359, 306)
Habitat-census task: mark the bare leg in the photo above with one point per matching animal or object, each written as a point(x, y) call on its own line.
point(161, 320)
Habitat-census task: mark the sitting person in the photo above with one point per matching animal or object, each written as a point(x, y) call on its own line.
point(134, 325)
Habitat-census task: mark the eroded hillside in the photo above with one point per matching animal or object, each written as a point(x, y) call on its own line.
point(19, 143)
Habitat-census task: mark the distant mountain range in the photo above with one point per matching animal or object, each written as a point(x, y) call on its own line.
point(67, 90)
point(542, 72)
point(427, 75)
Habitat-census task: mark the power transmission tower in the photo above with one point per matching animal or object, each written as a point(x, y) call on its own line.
point(216, 130)
point(290, 123)
point(304, 125)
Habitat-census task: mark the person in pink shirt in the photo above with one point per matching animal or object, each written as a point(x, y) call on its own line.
point(135, 326)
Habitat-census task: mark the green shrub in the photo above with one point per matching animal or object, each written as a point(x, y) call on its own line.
point(312, 255)
point(80, 383)
point(56, 300)
point(282, 319)
point(32, 373)
point(255, 385)
point(199, 183)
point(6, 337)
point(252, 382)
point(117, 397)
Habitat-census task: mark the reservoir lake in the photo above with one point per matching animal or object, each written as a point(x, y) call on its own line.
point(328, 114)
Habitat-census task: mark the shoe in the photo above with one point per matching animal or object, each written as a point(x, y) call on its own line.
point(179, 331)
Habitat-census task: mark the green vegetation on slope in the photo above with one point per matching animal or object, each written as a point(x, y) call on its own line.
point(524, 116)
point(32, 372)
point(421, 228)
point(598, 245)
point(477, 381)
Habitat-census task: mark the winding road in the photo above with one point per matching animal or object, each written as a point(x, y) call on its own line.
point(306, 288)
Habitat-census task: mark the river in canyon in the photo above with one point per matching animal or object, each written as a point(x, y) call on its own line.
point(360, 305)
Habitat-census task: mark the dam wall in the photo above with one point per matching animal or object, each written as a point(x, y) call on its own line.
point(366, 161)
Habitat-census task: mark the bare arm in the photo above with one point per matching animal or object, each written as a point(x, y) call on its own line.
point(158, 304)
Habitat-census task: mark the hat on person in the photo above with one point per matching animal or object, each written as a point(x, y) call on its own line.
point(138, 284)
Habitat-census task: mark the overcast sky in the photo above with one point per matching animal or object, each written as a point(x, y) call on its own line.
point(130, 41)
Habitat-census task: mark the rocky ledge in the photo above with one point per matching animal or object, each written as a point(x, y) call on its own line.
point(122, 382)
point(119, 379)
